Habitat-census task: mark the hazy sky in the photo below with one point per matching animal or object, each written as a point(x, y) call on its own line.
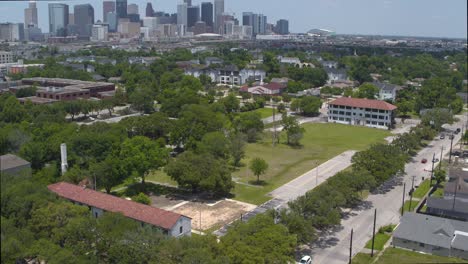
point(438, 18)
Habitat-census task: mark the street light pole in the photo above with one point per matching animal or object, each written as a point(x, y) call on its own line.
point(440, 161)
point(450, 154)
point(432, 171)
point(373, 232)
point(351, 247)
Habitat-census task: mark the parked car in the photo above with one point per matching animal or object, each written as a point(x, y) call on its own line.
point(424, 161)
point(456, 153)
point(436, 160)
point(442, 136)
point(306, 260)
point(458, 130)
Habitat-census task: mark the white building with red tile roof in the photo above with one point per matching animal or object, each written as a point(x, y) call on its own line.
point(362, 112)
point(265, 89)
point(172, 224)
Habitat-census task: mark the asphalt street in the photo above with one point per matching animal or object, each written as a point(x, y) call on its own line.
point(333, 247)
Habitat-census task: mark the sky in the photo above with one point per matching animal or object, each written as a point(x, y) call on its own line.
point(428, 18)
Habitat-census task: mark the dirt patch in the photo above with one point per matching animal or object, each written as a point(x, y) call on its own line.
point(219, 213)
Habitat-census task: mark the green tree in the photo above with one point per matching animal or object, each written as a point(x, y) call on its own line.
point(200, 173)
point(216, 144)
point(142, 100)
point(308, 106)
point(237, 147)
point(258, 166)
point(250, 124)
point(142, 198)
point(140, 154)
point(294, 131)
point(108, 173)
point(11, 110)
point(367, 90)
point(439, 176)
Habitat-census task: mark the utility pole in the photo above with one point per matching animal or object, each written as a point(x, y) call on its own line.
point(373, 232)
point(450, 154)
point(403, 202)
point(432, 171)
point(274, 123)
point(412, 183)
point(351, 247)
point(441, 154)
point(411, 200)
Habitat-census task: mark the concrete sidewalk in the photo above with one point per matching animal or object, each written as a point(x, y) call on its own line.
point(314, 177)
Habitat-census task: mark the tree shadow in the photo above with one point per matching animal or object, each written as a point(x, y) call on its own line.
point(258, 183)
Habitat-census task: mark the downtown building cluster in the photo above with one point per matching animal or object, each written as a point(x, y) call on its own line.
point(122, 20)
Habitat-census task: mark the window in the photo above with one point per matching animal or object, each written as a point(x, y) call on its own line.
point(374, 116)
point(181, 229)
point(95, 214)
point(421, 244)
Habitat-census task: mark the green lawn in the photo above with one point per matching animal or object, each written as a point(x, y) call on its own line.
point(321, 142)
point(395, 255)
point(264, 112)
point(407, 204)
point(160, 177)
point(422, 189)
point(380, 240)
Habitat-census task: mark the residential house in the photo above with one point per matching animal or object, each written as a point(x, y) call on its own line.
point(432, 235)
point(265, 89)
point(387, 91)
point(329, 64)
point(336, 75)
point(362, 112)
point(12, 164)
point(213, 60)
point(170, 223)
point(229, 74)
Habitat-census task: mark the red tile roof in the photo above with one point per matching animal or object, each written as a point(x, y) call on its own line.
point(141, 212)
point(363, 103)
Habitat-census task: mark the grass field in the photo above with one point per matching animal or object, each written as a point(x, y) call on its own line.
point(422, 189)
point(380, 240)
point(395, 255)
point(407, 205)
point(264, 112)
point(321, 142)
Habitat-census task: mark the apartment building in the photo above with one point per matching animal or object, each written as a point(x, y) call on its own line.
point(362, 112)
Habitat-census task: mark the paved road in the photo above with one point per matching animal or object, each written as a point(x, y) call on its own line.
point(314, 177)
point(334, 247)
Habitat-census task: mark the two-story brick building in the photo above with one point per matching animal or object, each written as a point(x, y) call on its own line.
point(362, 112)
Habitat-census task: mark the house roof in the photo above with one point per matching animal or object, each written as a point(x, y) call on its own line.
point(460, 241)
point(9, 161)
point(141, 212)
point(270, 86)
point(458, 177)
point(431, 230)
point(363, 103)
point(456, 205)
point(386, 86)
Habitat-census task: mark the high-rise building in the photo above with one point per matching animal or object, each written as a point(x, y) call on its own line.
point(132, 9)
point(149, 10)
point(247, 19)
point(207, 13)
point(84, 19)
point(282, 27)
point(71, 19)
point(99, 32)
point(107, 7)
point(193, 15)
point(58, 19)
point(188, 2)
point(30, 15)
point(218, 12)
point(182, 14)
point(121, 8)
point(113, 21)
point(12, 31)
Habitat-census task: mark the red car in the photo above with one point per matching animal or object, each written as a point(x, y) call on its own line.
point(424, 161)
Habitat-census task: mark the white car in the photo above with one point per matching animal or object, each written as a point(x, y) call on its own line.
point(306, 260)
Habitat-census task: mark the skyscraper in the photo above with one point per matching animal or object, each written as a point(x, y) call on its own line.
point(107, 7)
point(247, 19)
point(182, 14)
point(207, 13)
point(218, 12)
point(58, 19)
point(84, 19)
point(188, 2)
point(132, 9)
point(112, 20)
point(121, 8)
point(149, 10)
point(193, 15)
point(282, 27)
point(30, 15)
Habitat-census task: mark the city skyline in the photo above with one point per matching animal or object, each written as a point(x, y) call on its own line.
point(389, 17)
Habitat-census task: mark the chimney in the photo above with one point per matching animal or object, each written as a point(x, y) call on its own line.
point(63, 155)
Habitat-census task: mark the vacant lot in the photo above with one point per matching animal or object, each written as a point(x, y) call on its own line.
point(320, 143)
